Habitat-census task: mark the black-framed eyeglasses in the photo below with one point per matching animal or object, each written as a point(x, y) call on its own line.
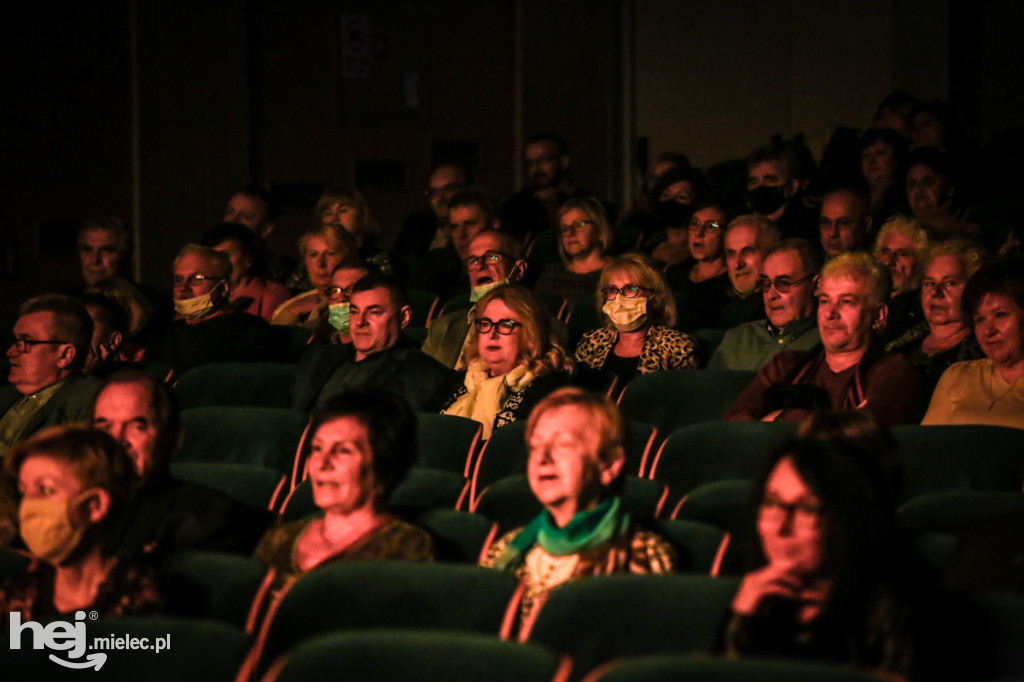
point(572, 228)
point(488, 258)
point(782, 284)
point(505, 327)
point(24, 345)
point(803, 512)
point(704, 226)
point(628, 291)
point(450, 187)
point(194, 279)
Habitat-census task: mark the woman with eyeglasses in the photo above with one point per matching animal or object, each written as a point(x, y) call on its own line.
point(703, 280)
point(584, 237)
point(639, 313)
point(513, 359)
point(827, 581)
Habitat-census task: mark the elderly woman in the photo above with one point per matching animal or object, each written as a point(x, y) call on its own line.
point(512, 360)
point(576, 443)
point(251, 292)
point(322, 249)
point(931, 186)
point(584, 238)
point(989, 390)
point(827, 584)
point(364, 443)
point(945, 336)
point(74, 482)
point(346, 208)
point(639, 313)
point(899, 246)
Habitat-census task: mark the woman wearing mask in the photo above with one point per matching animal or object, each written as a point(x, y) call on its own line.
point(73, 482)
point(637, 338)
point(673, 197)
point(322, 249)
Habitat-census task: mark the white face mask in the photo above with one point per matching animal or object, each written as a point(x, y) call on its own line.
point(477, 292)
point(627, 314)
point(197, 307)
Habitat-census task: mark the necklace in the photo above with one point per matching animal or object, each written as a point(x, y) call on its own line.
point(992, 390)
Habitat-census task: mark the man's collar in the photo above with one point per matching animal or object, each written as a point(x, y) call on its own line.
point(795, 328)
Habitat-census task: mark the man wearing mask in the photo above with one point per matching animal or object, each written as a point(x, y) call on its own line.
point(787, 288)
point(494, 258)
point(167, 514)
point(207, 328)
point(774, 189)
point(746, 240)
point(335, 327)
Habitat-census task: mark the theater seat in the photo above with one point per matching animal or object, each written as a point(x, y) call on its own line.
point(446, 442)
point(252, 484)
point(211, 585)
point(424, 306)
point(701, 669)
point(263, 384)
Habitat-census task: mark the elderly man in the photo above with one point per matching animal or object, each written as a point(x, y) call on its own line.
point(844, 223)
point(849, 371)
point(167, 515)
point(46, 386)
point(746, 240)
point(495, 258)
point(208, 329)
point(787, 289)
point(379, 355)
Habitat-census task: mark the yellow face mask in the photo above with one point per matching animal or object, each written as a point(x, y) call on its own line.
point(47, 527)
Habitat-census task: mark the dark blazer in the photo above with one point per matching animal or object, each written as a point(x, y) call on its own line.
point(70, 403)
point(404, 370)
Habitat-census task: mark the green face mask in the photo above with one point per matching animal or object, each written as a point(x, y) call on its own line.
point(477, 292)
point(337, 317)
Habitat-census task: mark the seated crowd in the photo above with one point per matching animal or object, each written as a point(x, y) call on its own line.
point(854, 303)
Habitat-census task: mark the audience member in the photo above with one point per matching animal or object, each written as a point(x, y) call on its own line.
point(253, 207)
point(251, 291)
point(379, 356)
point(364, 443)
point(845, 223)
point(346, 208)
point(109, 323)
point(675, 195)
point(428, 229)
point(576, 442)
point(322, 248)
point(899, 246)
point(931, 185)
point(208, 330)
point(167, 514)
point(584, 240)
point(746, 239)
point(495, 258)
point(774, 184)
point(140, 324)
point(945, 336)
point(703, 281)
point(829, 583)
point(639, 315)
point(788, 290)
point(335, 327)
point(850, 371)
point(894, 111)
point(644, 214)
point(989, 390)
point(45, 384)
point(75, 484)
point(883, 157)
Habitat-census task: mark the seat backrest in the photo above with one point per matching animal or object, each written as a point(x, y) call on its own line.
point(423, 304)
point(723, 504)
point(696, 544)
point(953, 511)
point(596, 620)
point(458, 536)
point(264, 384)
point(392, 595)
point(446, 442)
point(674, 398)
point(402, 656)
point(252, 484)
point(704, 453)
point(211, 585)
point(973, 635)
point(265, 436)
point(962, 457)
point(288, 342)
point(700, 669)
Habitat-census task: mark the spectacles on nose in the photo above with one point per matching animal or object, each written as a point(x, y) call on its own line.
point(193, 279)
point(803, 512)
point(628, 291)
point(505, 327)
point(704, 226)
point(573, 228)
point(781, 284)
point(25, 345)
point(488, 258)
point(339, 292)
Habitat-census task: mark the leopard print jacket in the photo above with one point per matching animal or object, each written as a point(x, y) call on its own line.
point(664, 348)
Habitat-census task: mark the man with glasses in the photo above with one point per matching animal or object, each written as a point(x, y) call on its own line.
point(787, 290)
point(494, 258)
point(848, 370)
point(207, 329)
point(46, 354)
point(378, 357)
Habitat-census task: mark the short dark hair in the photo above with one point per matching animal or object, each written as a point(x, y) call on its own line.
point(793, 155)
point(894, 101)
point(809, 255)
point(260, 194)
point(166, 410)
point(71, 319)
point(354, 263)
point(563, 146)
point(378, 280)
point(108, 312)
point(701, 188)
point(937, 160)
point(476, 196)
point(390, 428)
point(246, 240)
point(1005, 277)
point(889, 137)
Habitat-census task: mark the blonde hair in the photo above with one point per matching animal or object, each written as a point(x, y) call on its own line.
point(595, 212)
point(858, 264)
point(971, 254)
point(912, 230)
point(338, 238)
point(542, 352)
point(128, 296)
point(219, 262)
point(340, 194)
point(640, 270)
point(604, 416)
